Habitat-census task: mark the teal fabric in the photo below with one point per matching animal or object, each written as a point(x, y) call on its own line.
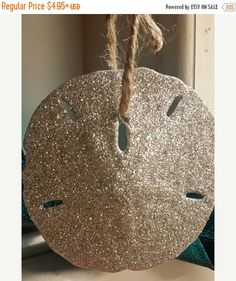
point(201, 252)
point(196, 254)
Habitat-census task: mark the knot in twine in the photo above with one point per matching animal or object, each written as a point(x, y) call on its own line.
point(155, 42)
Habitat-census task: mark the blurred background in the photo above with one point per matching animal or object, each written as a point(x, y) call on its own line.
point(56, 48)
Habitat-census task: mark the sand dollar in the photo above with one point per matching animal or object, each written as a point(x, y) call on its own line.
point(103, 207)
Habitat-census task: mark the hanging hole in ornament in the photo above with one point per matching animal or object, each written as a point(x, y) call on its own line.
point(194, 195)
point(174, 105)
point(52, 204)
point(65, 106)
point(123, 128)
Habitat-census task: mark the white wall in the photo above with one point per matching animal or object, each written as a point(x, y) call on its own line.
point(205, 58)
point(51, 54)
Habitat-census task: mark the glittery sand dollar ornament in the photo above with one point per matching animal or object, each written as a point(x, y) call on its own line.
point(110, 209)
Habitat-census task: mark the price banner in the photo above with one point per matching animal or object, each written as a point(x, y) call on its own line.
point(117, 7)
point(39, 6)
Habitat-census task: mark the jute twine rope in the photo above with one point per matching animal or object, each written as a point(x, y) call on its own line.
point(111, 53)
point(155, 41)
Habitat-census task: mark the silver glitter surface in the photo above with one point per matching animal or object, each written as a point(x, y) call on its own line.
point(120, 209)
